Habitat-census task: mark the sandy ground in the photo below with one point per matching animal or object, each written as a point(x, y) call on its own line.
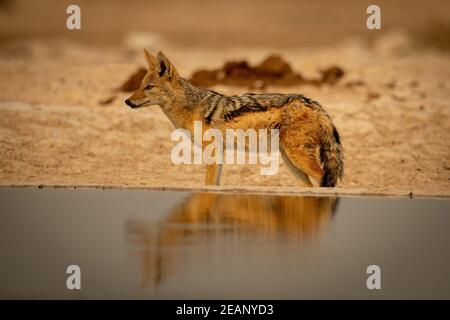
point(391, 109)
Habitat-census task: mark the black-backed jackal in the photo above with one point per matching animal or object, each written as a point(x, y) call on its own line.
point(309, 142)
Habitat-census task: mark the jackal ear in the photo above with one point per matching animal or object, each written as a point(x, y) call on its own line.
point(166, 68)
point(150, 59)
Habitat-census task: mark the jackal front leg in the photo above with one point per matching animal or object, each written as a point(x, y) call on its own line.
point(213, 162)
point(213, 172)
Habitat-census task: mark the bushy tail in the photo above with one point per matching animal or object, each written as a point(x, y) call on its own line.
point(331, 156)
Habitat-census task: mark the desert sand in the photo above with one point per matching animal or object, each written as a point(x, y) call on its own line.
point(64, 123)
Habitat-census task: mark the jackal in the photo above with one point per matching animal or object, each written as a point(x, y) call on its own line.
point(309, 142)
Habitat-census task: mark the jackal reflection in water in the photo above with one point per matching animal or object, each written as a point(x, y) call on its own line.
point(212, 219)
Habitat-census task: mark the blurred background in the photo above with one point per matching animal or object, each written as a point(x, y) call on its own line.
point(228, 23)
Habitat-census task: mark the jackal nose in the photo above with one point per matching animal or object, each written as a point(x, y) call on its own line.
point(131, 104)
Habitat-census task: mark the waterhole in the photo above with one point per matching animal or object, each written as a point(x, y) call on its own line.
point(187, 245)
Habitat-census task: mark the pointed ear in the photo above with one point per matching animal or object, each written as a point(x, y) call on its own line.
point(166, 68)
point(150, 59)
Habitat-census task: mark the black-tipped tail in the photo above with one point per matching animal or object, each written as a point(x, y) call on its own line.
point(332, 158)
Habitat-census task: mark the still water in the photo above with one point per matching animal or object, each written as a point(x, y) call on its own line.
point(151, 244)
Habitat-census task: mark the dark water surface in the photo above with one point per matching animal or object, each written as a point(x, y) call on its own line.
point(148, 244)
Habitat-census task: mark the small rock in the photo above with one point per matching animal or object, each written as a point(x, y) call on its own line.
point(107, 101)
point(134, 81)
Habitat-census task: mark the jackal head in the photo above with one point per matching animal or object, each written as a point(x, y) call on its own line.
point(161, 85)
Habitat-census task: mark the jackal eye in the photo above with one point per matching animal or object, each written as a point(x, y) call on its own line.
point(148, 87)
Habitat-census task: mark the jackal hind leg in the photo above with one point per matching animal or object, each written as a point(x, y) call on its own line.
point(304, 163)
point(299, 174)
point(300, 142)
